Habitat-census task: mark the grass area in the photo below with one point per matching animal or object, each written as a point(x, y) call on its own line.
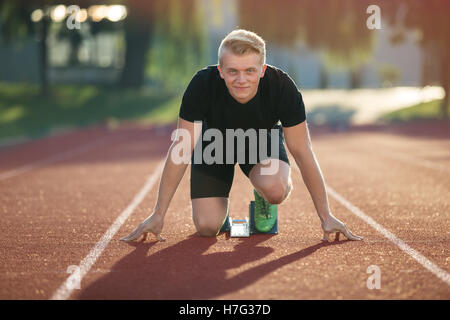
point(24, 113)
point(422, 111)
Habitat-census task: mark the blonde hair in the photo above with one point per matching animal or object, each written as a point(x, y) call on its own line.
point(241, 42)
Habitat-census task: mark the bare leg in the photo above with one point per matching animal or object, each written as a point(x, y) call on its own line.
point(209, 214)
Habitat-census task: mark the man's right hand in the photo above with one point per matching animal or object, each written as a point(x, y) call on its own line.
point(331, 224)
point(185, 138)
point(153, 224)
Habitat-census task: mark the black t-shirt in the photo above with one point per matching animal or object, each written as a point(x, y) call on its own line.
point(207, 99)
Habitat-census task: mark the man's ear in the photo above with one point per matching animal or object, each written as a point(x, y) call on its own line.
point(263, 70)
point(220, 71)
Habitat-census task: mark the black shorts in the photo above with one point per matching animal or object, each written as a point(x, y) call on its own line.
point(215, 180)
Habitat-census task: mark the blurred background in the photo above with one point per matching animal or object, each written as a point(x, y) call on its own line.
point(71, 64)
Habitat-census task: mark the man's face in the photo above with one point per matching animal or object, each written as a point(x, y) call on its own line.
point(242, 74)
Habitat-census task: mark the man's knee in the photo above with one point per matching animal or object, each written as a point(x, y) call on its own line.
point(208, 215)
point(208, 231)
point(275, 191)
point(206, 228)
point(275, 197)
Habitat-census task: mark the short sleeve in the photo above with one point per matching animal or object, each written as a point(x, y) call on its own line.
point(193, 104)
point(291, 107)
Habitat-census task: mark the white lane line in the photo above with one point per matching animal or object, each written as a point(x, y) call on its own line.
point(66, 289)
point(438, 272)
point(55, 158)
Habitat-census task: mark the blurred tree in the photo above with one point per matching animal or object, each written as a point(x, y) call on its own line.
point(138, 29)
point(15, 23)
point(179, 46)
point(340, 32)
point(336, 28)
point(278, 22)
point(75, 39)
point(430, 20)
point(14, 19)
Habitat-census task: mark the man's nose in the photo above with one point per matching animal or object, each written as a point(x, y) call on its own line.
point(241, 77)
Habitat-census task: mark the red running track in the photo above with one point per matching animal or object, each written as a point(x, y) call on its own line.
point(59, 196)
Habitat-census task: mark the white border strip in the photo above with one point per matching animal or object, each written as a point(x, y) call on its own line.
point(66, 289)
point(427, 264)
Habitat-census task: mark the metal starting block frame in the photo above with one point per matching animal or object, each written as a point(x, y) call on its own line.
point(245, 227)
point(239, 228)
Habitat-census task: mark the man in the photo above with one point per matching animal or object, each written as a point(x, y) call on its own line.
point(241, 93)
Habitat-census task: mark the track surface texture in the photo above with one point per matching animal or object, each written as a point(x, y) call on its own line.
point(60, 196)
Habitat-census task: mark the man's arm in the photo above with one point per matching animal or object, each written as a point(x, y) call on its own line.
point(299, 145)
point(175, 166)
point(176, 162)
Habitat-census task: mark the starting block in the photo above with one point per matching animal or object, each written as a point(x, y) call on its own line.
point(239, 228)
point(246, 227)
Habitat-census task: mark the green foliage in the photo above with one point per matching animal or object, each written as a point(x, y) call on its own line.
point(421, 111)
point(389, 75)
point(15, 20)
point(23, 112)
point(179, 44)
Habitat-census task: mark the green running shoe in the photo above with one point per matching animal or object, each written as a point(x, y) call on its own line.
point(265, 214)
